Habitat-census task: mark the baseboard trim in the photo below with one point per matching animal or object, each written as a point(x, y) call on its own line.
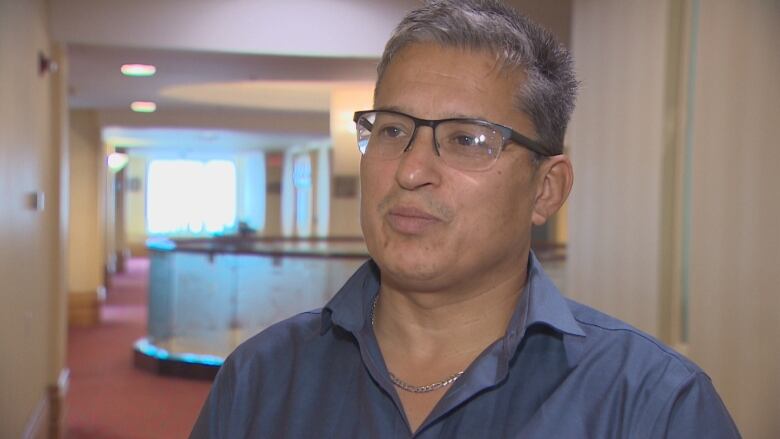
point(36, 427)
point(56, 393)
point(84, 307)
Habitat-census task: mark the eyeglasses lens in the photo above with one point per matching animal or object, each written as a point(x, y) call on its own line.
point(468, 145)
point(462, 145)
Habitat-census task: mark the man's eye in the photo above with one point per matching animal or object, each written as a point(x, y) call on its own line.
point(467, 140)
point(390, 132)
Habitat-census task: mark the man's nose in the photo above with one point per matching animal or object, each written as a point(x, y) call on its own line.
point(419, 164)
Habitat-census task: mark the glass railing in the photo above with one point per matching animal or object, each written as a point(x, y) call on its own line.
point(208, 296)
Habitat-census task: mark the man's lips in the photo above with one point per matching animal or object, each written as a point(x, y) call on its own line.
point(412, 212)
point(410, 220)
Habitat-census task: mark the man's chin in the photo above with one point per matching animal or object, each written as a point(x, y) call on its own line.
point(411, 276)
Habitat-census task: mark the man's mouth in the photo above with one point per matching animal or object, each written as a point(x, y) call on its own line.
point(410, 220)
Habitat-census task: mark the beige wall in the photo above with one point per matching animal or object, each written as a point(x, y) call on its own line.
point(31, 315)
point(617, 146)
point(735, 209)
point(86, 249)
point(675, 151)
point(553, 15)
point(345, 217)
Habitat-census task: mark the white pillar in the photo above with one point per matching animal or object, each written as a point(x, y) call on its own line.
point(323, 190)
point(288, 195)
point(303, 193)
point(253, 190)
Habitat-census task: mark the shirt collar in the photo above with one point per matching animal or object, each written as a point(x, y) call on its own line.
point(541, 303)
point(350, 307)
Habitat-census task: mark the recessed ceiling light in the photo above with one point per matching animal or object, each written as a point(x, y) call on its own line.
point(143, 107)
point(138, 70)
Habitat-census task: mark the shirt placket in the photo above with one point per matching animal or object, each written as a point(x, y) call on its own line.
point(374, 363)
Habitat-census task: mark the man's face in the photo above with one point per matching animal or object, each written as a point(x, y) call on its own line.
point(431, 227)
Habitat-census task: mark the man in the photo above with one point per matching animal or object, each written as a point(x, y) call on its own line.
point(453, 329)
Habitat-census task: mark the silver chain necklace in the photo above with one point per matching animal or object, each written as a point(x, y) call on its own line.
point(408, 387)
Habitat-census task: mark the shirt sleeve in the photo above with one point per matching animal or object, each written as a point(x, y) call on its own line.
point(694, 410)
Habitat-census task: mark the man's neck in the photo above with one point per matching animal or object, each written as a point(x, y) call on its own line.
point(454, 325)
point(428, 337)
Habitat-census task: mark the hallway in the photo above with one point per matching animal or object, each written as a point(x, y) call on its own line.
point(108, 398)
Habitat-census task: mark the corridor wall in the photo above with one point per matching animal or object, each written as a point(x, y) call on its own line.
point(33, 156)
point(86, 255)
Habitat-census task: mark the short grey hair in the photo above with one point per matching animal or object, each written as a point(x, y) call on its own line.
point(547, 96)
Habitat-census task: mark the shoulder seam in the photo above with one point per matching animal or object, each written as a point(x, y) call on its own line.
point(660, 346)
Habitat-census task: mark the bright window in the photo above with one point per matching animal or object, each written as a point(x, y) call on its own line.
point(189, 197)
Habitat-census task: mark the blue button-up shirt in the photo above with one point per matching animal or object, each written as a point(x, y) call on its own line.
point(562, 370)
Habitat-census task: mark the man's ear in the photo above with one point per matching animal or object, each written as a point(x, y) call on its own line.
point(554, 178)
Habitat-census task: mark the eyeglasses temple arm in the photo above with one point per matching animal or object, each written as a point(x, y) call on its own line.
point(531, 144)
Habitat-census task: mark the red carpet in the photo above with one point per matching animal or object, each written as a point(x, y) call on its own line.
point(108, 398)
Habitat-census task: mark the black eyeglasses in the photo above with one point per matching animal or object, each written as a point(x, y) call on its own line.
point(462, 143)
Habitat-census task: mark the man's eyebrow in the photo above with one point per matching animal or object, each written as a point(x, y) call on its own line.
point(445, 116)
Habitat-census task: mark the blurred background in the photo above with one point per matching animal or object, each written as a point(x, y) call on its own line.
point(177, 175)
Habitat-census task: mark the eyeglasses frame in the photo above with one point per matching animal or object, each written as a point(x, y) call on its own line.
point(507, 133)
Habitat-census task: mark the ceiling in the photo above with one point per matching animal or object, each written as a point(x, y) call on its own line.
point(231, 74)
point(190, 78)
point(285, 100)
point(260, 69)
point(203, 140)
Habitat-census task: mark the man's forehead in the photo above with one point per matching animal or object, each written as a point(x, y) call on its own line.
point(427, 64)
point(454, 57)
point(444, 114)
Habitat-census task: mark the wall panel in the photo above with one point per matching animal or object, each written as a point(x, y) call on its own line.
point(86, 244)
point(617, 144)
point(735, 209)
